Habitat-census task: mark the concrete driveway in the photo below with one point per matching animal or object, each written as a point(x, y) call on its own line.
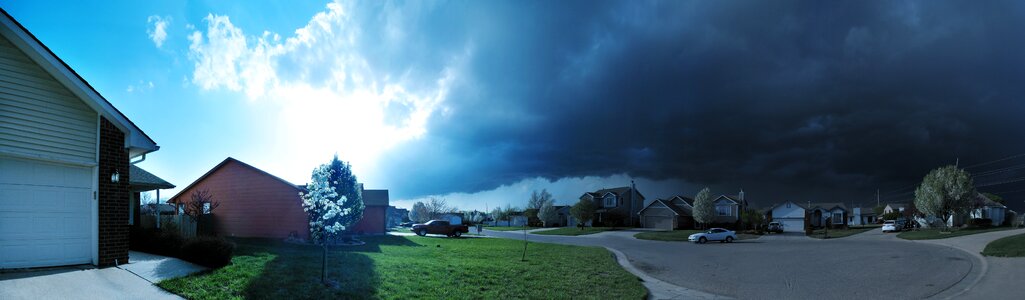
point(129, 281)
point(873, 266)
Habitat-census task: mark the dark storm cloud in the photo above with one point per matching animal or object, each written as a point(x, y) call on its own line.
point(797, 99)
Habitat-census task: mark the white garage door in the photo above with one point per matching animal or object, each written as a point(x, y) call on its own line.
point(45, 214)
point(660, 222)
point(792, 225)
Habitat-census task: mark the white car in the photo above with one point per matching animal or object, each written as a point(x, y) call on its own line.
point(714, 234)
point(890, 226)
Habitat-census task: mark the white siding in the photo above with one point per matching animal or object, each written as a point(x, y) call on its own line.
point(38, 115)
point(783, 211)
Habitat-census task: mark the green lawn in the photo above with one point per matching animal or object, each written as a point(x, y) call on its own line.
point(1012, 246)
point(839, 233)
point(508, 228)
point(932, 234)
point(681, 235)
point(675, 235)
point(395, 267)
point(578, 231)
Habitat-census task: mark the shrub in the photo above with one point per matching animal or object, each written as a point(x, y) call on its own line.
point(212, 252)
point(165, 242)
point(980, 222)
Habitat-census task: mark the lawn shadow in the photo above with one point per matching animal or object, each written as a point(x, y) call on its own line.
point(298, 268)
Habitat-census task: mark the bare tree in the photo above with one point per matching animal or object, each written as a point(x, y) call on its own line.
point(200, 203)
point(437, 207)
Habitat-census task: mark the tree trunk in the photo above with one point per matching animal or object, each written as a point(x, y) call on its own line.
point(323, 262)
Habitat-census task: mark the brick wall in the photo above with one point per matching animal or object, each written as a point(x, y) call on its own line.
point(113, 197)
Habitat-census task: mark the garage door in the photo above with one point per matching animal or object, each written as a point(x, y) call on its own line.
point(45, 214)
point(792, 225)
point(659, 222)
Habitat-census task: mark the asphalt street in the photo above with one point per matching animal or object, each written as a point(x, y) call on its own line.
point(871, 265)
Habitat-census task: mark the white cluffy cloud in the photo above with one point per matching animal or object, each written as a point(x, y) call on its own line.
point(157, 29)
point(327, 96)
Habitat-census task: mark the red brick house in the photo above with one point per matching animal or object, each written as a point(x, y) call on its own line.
point(254, 203)
point(65, 156)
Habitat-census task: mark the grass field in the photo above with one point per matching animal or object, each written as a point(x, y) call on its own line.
point(932, 234)
point(508, 228)
point(839, 233)
point(1012, 246)
point(395, 267)
point(578, 231)
point(675, 235)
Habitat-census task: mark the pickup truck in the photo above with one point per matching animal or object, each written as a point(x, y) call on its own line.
point(440, 227)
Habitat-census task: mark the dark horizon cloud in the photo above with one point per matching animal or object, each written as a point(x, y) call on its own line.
point(826, 101)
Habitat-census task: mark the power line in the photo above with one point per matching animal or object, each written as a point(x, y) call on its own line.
point(997, 171)
point(995, 161)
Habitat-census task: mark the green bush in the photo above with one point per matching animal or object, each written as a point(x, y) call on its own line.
point(980, 222)
point(212, 252)
point(165, 242)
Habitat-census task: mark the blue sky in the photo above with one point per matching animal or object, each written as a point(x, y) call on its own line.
point(481, 102)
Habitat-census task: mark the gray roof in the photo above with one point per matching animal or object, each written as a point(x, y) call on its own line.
point(375, 197)
point(141, 180)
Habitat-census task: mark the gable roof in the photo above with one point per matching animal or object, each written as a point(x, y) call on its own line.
point(788, 201)
point(679, 211)
point(829, 206)
point(222, 164)
point(983, 201)
point(375, 197)
point(141, 180)
point(137, 142)
point(685, 200)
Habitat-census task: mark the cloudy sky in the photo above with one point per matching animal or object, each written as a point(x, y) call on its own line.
point(481, 102)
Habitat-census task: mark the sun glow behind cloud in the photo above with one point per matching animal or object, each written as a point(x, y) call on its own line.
point(328, 97)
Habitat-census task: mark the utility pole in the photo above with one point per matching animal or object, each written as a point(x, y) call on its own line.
point(877, 198)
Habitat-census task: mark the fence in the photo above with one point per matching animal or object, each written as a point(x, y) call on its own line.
point(185, 224)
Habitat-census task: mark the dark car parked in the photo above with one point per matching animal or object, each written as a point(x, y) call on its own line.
point(440, 227)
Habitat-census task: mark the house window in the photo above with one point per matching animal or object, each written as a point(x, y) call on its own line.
point(610, 201)
point(724, 210)
point(788, 204)
point(837, 218)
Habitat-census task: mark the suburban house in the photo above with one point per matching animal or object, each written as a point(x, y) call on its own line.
point(616, 205)
point(861, 216)
point(668, 214)
point(565, 218)
point(728, 208)
point(822, 214)
point(988, 209)
point(254, 203)
point(894, 207)
point(515, 219)
point(397, 216)
point(790, 214)
point(144, 181)
point(375, 212)
point(66, 156)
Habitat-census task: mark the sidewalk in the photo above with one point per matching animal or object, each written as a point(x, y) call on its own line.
point(1000, 277)
point(128, 281)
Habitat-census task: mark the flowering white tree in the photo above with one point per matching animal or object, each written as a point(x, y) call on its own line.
point(704, 208)
point(324, 208)
point(547, 214)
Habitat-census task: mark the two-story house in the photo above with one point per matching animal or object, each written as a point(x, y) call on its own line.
point(616, 206)
point(729, 207)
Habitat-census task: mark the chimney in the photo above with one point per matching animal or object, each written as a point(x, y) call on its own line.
point(741, 195)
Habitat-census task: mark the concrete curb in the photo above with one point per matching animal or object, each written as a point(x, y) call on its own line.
point(962, 286)
point(658, 289)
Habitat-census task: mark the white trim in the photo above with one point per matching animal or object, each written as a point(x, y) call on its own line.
point(727, 198)
point(95, 207)
point(664, 205)
point(48, 61)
